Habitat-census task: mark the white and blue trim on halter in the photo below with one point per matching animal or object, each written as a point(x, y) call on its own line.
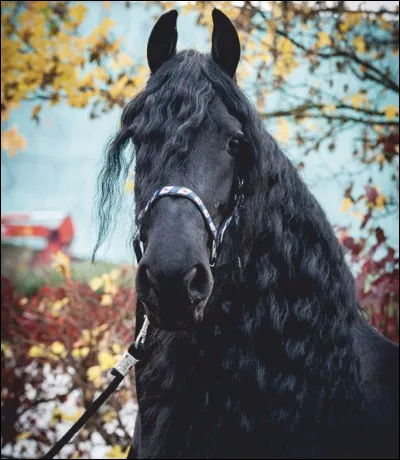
point(186, 193)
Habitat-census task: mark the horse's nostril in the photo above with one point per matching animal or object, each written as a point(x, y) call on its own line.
point(146, 281)
point(197, 283)
point(151, 279)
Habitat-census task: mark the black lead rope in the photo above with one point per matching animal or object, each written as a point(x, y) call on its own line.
point(120, 370)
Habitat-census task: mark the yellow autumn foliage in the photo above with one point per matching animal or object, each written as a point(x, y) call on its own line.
point(45, 53)
point(391, 112)
point(346, 204)
point(283, 133)
point(323, 40)
point(117, 452)
point(61, 263)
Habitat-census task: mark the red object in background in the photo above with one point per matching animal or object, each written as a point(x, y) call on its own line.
point(55, 227)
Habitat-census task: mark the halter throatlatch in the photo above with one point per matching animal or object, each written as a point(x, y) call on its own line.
point(217, 235)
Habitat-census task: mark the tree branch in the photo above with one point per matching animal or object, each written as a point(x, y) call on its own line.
point(385, 80)
point(302, 112)
point(343, 118)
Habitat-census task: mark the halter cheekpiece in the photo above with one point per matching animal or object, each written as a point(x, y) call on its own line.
point(217, 235)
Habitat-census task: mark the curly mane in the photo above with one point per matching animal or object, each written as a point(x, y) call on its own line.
point(279, 334)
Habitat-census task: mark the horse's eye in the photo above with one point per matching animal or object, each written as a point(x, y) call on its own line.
point(238, 145)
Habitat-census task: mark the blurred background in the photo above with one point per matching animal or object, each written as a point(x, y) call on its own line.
point(324, 77)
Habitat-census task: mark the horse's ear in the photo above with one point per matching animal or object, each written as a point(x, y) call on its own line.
point(225, 43)
point(162, 42)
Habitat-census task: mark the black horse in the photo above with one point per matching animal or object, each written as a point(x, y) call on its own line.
point(273, 360)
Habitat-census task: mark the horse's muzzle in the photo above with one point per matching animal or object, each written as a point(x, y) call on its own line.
point(173, 298)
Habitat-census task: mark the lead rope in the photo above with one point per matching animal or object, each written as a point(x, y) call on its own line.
point(119, 371)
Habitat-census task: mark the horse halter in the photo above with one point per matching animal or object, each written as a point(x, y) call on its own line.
point(217, 235)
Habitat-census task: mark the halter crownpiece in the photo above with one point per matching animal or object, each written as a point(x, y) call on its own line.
point(217, 236)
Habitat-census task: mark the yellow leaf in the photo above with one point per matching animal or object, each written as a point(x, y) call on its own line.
point(77, 12)
point(116, 348)
point(8, 353)
point(94, 375)
point(346, 204)
point(58, 349)
point(359, 100)
point(87, 335)
point(23, 436)
point(12, 141)
point(37, 351)
point(105, 26)
point(87, 80)
point(39, 5)
point(381, 201)
point(106, 360)
point(380, 159)
point(106, 300)
point(391, 112)
point(109, 416)
point(106, 5)
point(58, 305)
point(125, 59)
point(61, 263)
point(99, 330)
point(114, 274)
point(323, 40)
point(329, 109)
point(55, 416)
point(72, 417)
point(109, 286)
point(251, 45)
point(95, 283)
point(117, 452)
point(116, 89)
point(350, 20)
point(286, 62)
point(101, 74)
point(80, 352)
point(283, 134)
point(359, 44)
point(385, 25)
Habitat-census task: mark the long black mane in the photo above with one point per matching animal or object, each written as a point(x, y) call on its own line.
point(284, 327)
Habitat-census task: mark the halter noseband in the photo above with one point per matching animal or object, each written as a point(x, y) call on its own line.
point(217, 235)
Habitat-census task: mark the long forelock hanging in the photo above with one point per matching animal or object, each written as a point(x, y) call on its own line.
point(173, 106)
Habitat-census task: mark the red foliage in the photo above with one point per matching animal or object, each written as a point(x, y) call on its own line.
point(33, 322)
point(377, 284)
point(30, 321)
